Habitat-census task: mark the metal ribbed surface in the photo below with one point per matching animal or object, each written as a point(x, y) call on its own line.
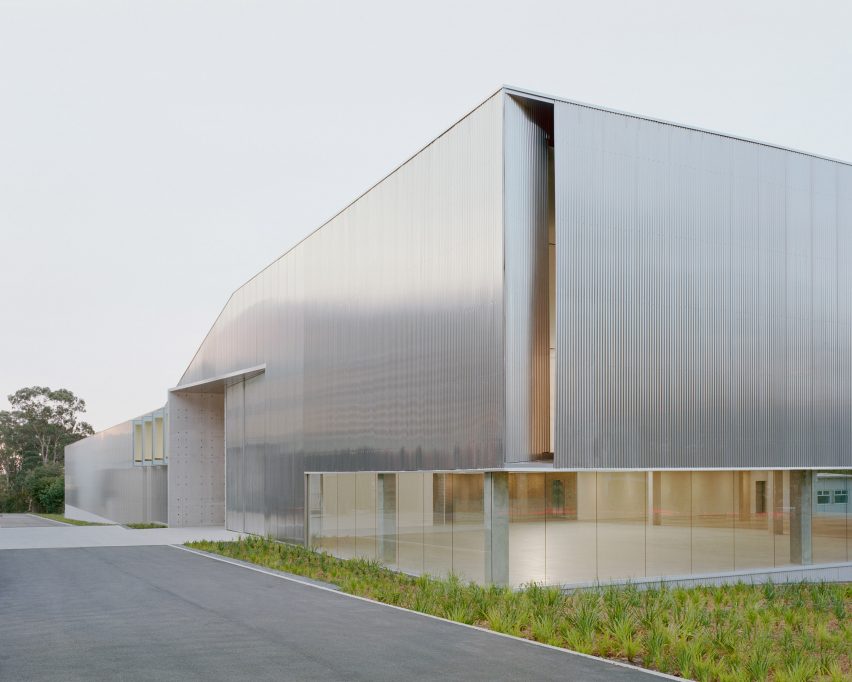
point(100, 478)
point(382, 334)
point(526, 302)
point(234, 449)
point(702, 299)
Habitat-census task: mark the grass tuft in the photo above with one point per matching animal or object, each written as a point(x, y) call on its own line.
point(736, 632)
point(73, 522)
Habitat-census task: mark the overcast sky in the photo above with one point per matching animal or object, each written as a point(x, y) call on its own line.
point(155, 155)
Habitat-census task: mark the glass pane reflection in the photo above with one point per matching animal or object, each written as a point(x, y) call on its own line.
point(830, 504)
point(526, 528)
point(669, 533)
point(571, 534)
point(469, 526)
point(410, 522)
point(621, 524)
point(712, 521)
point(438, 524)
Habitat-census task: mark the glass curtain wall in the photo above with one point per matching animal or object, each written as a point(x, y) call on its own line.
point(417, 522)
point(582, 527)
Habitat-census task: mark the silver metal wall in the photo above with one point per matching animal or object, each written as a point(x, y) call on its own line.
point(100, 478)
point(382, 335)
point(526, 279)
point(702, 304)
point(703, 295)
point(234, 460)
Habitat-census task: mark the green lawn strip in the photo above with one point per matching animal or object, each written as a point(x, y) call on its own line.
point(73, 522)
point(144, 526)
point(799, 631)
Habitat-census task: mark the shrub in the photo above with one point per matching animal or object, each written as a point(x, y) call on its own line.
point(736, 632)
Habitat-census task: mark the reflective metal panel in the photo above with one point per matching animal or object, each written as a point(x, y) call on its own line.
point(382, 334)
point(101, 478)
point(234, 459)
point(254, 456)
point(702, 298)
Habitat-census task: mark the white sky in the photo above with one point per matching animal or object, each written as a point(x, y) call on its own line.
point(156, 154)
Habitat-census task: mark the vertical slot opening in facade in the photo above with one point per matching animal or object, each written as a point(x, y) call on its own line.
point(551, 292)
point(529, 233)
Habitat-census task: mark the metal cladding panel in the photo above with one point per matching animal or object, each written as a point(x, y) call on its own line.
point(382, 333)
point(526, 281)
point(100, 478)
point(255, 456)
point(703, 304)
point(234, 461)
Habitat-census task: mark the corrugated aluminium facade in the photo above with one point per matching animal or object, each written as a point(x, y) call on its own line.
point(382, 336)
point(101, 478)
point(684, 297)
point(703, 296)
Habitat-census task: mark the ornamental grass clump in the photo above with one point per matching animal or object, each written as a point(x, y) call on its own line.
point(732, 633)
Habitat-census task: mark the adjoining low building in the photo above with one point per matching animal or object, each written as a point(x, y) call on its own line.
point(560, 344)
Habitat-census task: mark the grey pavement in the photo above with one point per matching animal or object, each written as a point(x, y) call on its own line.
point(32, 532)
point(28, 521)
point(162, 613)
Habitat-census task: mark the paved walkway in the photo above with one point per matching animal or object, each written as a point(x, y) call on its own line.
point(27, 521)
point(162, 613)
point(27, 531)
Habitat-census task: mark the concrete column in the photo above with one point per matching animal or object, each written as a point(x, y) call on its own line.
point(801, 504)
point(196, 471)
point(497, 527)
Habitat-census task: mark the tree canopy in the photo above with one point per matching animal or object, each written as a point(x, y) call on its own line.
point(33, 436)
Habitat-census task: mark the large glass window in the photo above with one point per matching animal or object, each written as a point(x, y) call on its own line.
point(137, 442)
point(327, 539)
point(148, 439)
point(621, 524)
point(754, 540)
point(669, 532)
point(578, 527)
point(346, 528)
point(365, 515)
point(410, 521)
point(781, 517)
point(527, 535)
point(438, 524)
point(386, 524)
point(570, 525)
point(469, 526)
point(712, 521)
point(315, 515)
point(829, 517)
point(159, 438)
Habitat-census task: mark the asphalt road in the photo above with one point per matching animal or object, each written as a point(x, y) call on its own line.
point(161, 613)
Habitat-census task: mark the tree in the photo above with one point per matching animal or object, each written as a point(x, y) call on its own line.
point(33, 436)
point(42, 422)
point(45, 488)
